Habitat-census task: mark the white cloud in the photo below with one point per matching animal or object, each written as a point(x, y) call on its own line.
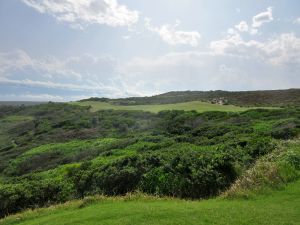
point(205, 71)
point(297, 21)
point(80, 13)
point(253, 31)
point(233, 44)
point(242, 26)
point(263, 17)
point(32, 97)
point(172, 36)
point(50, 84)
point(257, 21)
point(15, 59)
point(281, 50)
point(87, 73)
point(72, 77)
point(47, 66)
point(126, 37)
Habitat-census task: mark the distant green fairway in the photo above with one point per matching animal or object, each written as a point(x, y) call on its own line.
point(195, 105)
point(278, 207)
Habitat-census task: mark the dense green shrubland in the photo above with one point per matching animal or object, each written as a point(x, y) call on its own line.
point(57, 152)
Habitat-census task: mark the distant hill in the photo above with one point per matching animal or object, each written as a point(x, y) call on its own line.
point(289, 97)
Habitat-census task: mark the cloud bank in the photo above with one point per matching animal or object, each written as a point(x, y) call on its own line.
point(81, 13)
point(244, 58)
point(283, 50)
point(246, 66)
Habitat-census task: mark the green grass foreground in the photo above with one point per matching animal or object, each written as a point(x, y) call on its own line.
point(194, 105)
point(273, 207)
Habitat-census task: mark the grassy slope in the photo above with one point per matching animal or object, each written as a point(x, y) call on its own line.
point(195, 105)
point(278, 207)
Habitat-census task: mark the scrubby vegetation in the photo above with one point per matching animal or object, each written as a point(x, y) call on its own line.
point(272, 171)
point(276, 98)
point(53, 153)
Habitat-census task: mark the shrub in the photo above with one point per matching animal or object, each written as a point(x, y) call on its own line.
point(32, 194)
point(273, 171)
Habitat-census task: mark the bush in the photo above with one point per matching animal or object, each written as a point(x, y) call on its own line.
point(186, 174)
point(272, 171)
point(286, 130)
point(32, 194)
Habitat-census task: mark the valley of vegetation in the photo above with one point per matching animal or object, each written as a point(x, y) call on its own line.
point(134, 164)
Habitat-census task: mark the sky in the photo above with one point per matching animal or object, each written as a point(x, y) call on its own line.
point(66, 50)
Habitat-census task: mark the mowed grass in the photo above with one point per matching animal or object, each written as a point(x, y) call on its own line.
point(277, 207)
point(195, 105)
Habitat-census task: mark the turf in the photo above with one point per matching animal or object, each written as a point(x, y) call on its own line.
point(195, 105)
point(277, 207)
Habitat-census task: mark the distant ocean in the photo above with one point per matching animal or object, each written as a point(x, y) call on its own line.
point(19, 103)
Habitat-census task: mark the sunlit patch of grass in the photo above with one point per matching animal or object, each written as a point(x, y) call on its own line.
point(69, 147)
point(187, 106)
point(15, 118)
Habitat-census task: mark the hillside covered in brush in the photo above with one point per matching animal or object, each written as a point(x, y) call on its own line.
point(271, 98)
point(55, 152)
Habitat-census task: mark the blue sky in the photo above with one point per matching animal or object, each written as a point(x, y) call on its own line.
point(62, 50)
